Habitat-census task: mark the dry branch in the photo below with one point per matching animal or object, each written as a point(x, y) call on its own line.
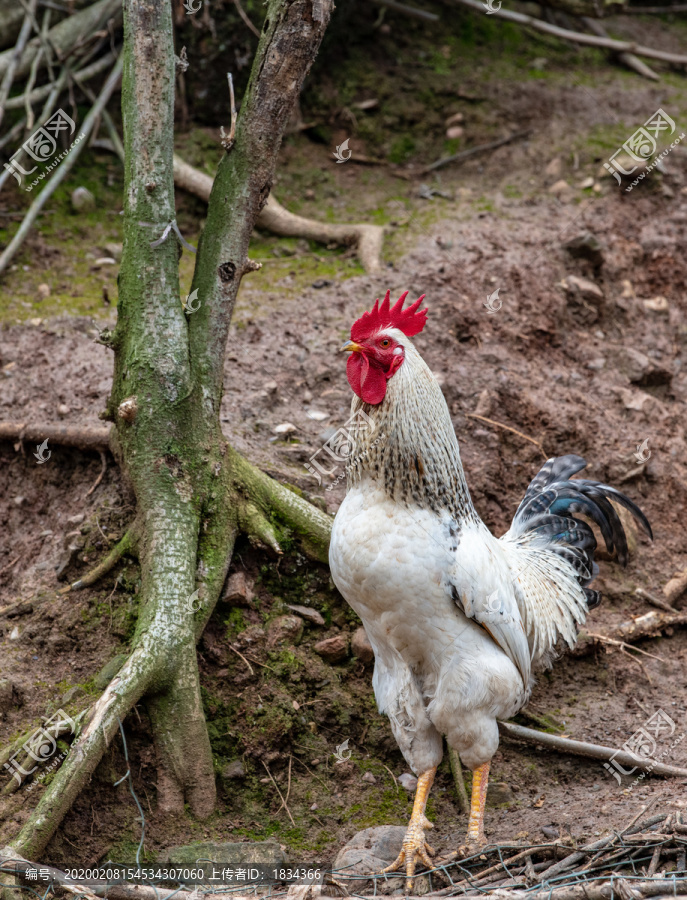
point(278, 220)
point(591, 751)
point(82, 437)
point(411, 11)
point(589, 40)
point(649, 625)
point(15, 56)
point(472, 151)
point(84, 74)
point(627, 59)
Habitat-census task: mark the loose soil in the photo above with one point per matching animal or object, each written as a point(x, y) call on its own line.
point(595, 375)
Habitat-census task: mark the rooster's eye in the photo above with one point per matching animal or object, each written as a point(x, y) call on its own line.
point(384, 343)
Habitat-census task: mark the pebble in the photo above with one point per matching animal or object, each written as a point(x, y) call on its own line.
point(284, 428)
point(333, 649)
point(63, 410)
point(239, 589)
point(312, 615)
point(317, 415)
point(369, 778)
point(454, 132)
point(285, 628)
point(83, 200)
point(408, 781)
point(43, 291)
point(361, 646)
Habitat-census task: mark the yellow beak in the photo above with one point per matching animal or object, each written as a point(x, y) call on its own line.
point(351, 347)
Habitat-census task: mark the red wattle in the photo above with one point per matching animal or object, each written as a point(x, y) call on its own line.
point(367, 381)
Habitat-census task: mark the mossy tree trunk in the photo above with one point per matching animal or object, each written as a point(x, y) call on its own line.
point(194, 492)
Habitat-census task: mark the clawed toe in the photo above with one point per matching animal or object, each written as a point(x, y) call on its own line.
point(415, 848)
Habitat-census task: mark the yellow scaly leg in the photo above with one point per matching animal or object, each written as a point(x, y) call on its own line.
point(480, 779)
point(414, 845)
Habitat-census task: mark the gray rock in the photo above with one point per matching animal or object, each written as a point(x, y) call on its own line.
point(333, 649)
point(583, 289)
point(267, 853)
point(238, 589)
point(234, 769)
point(312, 615)
point(361, 647)
point(408, 782)
point(369, 778)
point(285, 628)
point(83, 200)
point(499, 794)
point(368, 852)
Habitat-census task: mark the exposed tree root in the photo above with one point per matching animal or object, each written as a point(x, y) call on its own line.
point(274, 218)
point(127, 544)
point(582, 748)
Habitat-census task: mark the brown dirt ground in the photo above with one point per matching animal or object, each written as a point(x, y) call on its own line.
point(564, 373)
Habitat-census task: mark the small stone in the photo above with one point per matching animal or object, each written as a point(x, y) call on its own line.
point(550, 831)
point(321, 283)
point(317, 415)
point(312, 615)
point(314, 807)
point(408, 782)
point(270, 387)
point(656, 304)
point(14, 634)
point(19, 501)
point(234, 770)
point(369, 778)
point(43, 291)
point(586, 183)
point(559, 187)
point(63, 410)
point(83, 200)
point(76, 520)
point(454, 132)
point(499, 794)
point(361, 647)
point(309, 194)
point(314, 762)
point(284, 428)
point(114, 250)
point(285, 628)
point(582, 288)
point(368, 852)
point(333, 649)
point(238, 589)
point(104, 261)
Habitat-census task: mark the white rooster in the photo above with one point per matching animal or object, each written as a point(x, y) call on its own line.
point(457, 618)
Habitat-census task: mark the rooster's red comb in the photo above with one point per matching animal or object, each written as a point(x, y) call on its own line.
point(409, 320)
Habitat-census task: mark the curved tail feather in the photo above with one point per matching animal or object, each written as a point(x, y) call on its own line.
point(551, 551)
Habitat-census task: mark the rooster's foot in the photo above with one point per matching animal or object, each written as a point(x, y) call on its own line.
point(472, 846)
point(414, 848)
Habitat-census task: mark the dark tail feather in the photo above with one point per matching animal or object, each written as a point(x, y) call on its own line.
point(550, 508)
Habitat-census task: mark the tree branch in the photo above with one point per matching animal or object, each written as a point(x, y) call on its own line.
point(578, 37)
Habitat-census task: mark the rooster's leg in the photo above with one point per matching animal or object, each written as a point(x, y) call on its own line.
point(480, 779)
point(414, 845)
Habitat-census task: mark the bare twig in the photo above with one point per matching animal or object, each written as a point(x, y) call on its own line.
point(472, 151)
point(85, 437)
point(279, 792)
point(8, 567)
point(582, 748)
point(103, 461)
point(648, 625)
point(62, 170)
point(227, 140)
point(590, 40)
point(24, 33)
point(457, 770)
point(392, 775)
point(412, 11)
point(241, 11)
point(655, 601)
point(87, 72)
point(238, 653)
point(507, 428)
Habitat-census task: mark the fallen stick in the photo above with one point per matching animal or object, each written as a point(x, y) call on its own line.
point(589, 40)
point(15, 56)
point(591, 751)
point(472, 151)
point(627, 59)
point(655, 601)
point(84, 74)
point(82, 437)
point(507, 428)
point(278, 220)
point(63, 169)
point(411, 11)
point(651, 624)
